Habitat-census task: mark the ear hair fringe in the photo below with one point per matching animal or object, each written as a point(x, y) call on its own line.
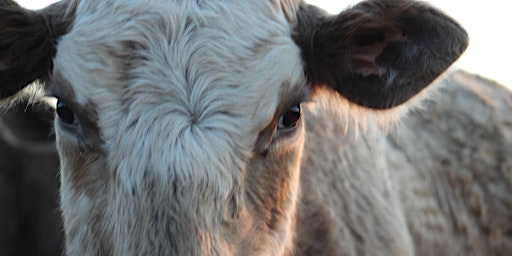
point(357, 119)
point(33, 94)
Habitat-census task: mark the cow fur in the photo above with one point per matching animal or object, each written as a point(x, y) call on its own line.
point(442, 179)
point(170, 123)
point(445, 206)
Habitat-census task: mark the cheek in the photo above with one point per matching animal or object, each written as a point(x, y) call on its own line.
point(272, 180)
point(271, 191)
point(83, 169)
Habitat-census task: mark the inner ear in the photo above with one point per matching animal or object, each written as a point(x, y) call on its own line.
point(369, 46)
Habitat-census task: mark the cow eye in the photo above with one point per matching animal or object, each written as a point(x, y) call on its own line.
point(65, 114)
point(290, 118)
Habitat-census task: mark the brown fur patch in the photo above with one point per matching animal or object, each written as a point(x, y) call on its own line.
point(319, 236)
point(86, 149)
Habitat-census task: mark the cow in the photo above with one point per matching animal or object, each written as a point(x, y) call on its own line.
point(221, 127)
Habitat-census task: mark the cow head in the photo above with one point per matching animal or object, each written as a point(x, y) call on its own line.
point(179, 122)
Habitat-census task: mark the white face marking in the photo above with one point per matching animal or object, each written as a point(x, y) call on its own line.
point(181, 91)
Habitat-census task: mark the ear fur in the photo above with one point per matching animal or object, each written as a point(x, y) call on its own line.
point(379, 53)
point(28, 42)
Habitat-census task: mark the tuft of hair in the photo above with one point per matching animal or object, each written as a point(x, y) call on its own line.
point(31, 95)
point(358, 117)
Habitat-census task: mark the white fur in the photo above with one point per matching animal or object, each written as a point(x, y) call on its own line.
point(188, 111)
point(180, 91)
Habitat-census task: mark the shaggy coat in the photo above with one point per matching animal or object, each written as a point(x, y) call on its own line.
point(181, 125)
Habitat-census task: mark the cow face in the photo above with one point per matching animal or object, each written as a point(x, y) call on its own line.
point(179, 123)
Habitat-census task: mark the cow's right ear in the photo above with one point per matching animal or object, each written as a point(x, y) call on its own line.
point(28, 43)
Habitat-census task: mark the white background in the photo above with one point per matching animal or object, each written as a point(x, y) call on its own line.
point(487, 22)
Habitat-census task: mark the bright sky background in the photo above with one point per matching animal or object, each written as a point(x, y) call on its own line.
point(488, 25)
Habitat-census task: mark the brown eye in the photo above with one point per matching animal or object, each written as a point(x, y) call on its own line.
point(65, 114)
point(291, 118)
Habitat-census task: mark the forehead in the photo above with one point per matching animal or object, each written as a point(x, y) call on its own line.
point(215, 71)
point(178, 48)
point(237, 53)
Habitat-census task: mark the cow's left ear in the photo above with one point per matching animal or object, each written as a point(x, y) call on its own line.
point(28, 43)
point(379, 53)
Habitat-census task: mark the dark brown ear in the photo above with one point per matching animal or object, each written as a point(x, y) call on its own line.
point(28, 41)
point(379, 53)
